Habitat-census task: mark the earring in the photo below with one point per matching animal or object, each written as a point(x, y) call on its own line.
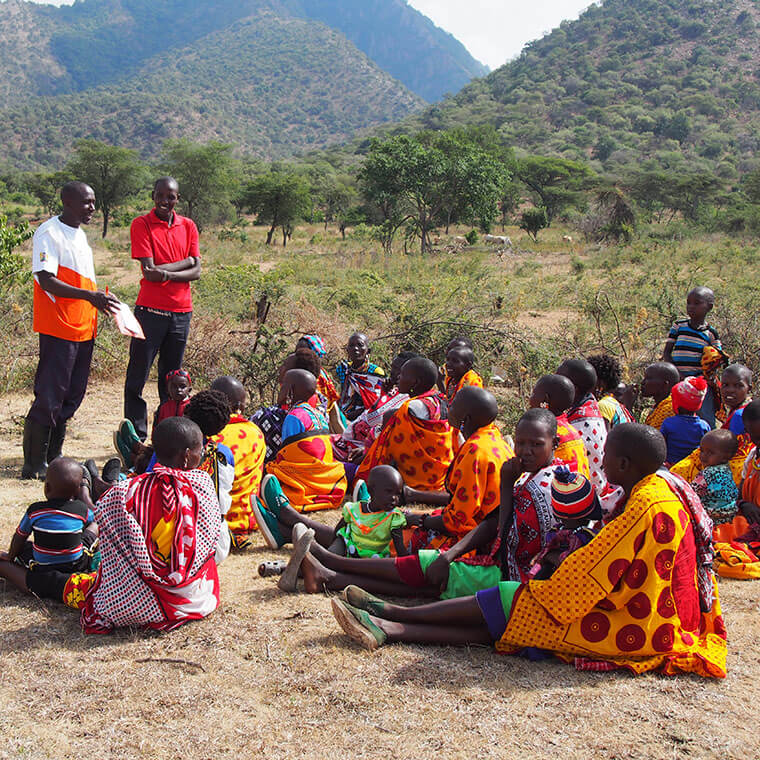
point(544, 405)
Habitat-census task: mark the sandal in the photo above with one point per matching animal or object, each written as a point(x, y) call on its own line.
point(357, 625)
point(302, 538)
point(274, 567)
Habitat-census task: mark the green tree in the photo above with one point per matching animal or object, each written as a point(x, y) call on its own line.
point(47, 189)
point(751, 185)
point(206, 176)
point(533, 220)
point(113, 173)
point(418, 180)
point(556, 182)
point(11, 262)
point(278, 199)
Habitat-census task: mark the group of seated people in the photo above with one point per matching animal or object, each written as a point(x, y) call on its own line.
point(584, 535)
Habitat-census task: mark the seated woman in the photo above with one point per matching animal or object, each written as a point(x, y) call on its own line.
point(628, 599)
point(608, 377)
point(508, 538)
point(158, 535)
point(360, 434)
point(417, 439)
point(459, 372)
point(305, 466)
point(325, 385)
point(360, 380)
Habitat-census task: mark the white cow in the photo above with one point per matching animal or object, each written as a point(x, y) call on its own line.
point(501, 240)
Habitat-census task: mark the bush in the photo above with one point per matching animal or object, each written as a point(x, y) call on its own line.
point(533, 220)
point(471, 237)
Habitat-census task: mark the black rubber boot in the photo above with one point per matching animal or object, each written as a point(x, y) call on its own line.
point(55, 444)
point(36, 438)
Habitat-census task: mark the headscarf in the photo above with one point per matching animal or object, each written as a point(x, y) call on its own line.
point(315, 344)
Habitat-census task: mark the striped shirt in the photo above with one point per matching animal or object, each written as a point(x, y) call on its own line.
point(57, 525)
point(689, 344)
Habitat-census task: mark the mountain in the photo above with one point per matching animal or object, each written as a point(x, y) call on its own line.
point(403, 42)
point(667, 83)
point(272, 76)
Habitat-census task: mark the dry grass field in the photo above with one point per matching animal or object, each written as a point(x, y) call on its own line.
point(271, 675)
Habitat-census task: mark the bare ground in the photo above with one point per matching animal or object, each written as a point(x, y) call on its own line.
point(272, 675)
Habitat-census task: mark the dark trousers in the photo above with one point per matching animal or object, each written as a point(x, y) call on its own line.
point(61, 379)
point(166, 335)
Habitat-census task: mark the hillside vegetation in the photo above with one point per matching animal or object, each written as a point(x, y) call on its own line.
point(133, 73)
point(631, 83)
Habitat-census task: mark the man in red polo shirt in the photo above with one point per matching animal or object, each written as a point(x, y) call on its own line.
point(166, 245)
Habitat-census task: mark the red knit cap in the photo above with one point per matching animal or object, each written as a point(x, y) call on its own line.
point(689, 393)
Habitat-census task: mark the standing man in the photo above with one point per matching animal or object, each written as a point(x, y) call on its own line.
point(166, 245)
point(66, 303)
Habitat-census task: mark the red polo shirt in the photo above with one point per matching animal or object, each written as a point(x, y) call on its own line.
point(154, 237)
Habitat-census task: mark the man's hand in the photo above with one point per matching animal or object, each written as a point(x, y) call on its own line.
point(104, 301)
point(511, 470)
point(5, 556)
point(438, 573)
point(750, 511)
point(153, 274)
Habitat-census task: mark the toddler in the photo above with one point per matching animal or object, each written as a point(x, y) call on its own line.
point(64, 534)
point(577, 509)
point(683, 431)
point(715, 484)
point(178, 386)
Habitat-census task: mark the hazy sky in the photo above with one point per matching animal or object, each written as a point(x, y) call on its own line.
point(496, 30)
point(492, 30)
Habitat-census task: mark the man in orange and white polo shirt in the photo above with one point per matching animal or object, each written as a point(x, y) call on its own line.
point(66, 303)
point(166, 245)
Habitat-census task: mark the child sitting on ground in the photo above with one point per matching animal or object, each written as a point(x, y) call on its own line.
point(715, 484)
point(178, 386)
point(361, 381)
point(556, 393)
point(684, 431)
point(578, 512)
point(64, 535)
point(608, 377)
point(459, 372)
point(659, 379)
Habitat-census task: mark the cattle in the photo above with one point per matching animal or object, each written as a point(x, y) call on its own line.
point(501, 240)
point(567, 238)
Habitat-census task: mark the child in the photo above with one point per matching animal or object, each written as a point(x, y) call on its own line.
point(688, 337)
point(178, 386)
point(459, 372)
point(585, 417)
point(65, 535)
point(608, 376)
point(748, 503)
point(576, 509)
point(715, 484)
point(627, 394)
point(247, 443)
point(360, 379)
point(659, 379)
point(683, 432)
point(366, 529)
point(210, 411)
point(556, 393)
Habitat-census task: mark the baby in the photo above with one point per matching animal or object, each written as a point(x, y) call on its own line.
point(577, 509)
point(715, 484)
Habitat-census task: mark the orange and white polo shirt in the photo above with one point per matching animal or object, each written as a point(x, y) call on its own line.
point(64, 252)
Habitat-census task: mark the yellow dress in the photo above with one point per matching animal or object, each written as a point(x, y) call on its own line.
point(627, 599)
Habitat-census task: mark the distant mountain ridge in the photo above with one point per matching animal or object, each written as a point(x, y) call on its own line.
point(273, 76)
point(675, 83)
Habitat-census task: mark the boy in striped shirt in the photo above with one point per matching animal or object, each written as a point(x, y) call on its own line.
point(688, 337)
point(64, 532)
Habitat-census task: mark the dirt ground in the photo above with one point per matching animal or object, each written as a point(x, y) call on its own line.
point(271, 675)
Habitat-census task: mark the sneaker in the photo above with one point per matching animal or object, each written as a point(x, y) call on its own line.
point(361, 492)
point(124, 438)
point(112, 470)
point(267, 522)
point(272, 495)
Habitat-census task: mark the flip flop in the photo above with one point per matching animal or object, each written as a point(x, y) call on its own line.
point(357, 625)
point(302, 538)
point(274, 567)
point(363, 600)
point(360, 492)
point(272, 494)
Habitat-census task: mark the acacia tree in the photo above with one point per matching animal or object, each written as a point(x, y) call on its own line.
point(278, 199)
point(556, 182)
point(205, 174)
point(419, 180)
point(113, 173)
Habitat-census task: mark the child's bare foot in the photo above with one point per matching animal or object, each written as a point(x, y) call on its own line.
point(315, 575)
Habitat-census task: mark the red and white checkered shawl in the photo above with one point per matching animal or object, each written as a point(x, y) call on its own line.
point(135, 586)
